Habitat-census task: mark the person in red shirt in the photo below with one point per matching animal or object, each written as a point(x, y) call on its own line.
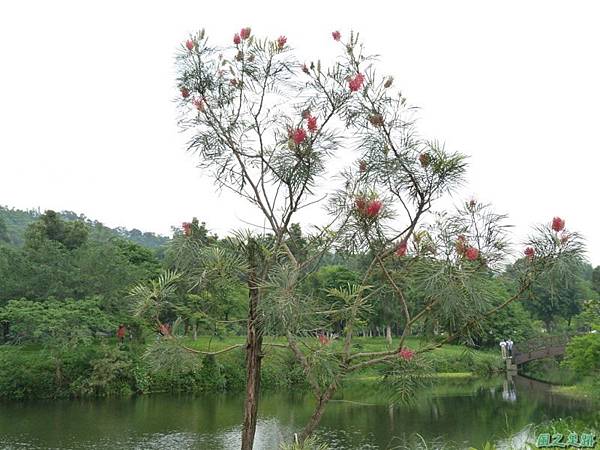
point(121, 333)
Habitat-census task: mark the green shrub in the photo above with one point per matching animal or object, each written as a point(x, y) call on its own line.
point(583, 354)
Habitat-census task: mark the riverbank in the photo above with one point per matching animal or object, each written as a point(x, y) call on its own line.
point(588, 389)
point(108, 369)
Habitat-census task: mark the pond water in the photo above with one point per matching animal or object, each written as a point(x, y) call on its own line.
point(463, 412)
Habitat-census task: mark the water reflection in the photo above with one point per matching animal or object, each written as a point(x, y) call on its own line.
point(465, 412)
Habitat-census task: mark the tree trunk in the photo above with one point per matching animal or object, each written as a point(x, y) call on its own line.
point(318, 412)
point(253, 362)
point(388, 334)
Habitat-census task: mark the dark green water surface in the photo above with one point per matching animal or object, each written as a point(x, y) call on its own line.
point(463, 412)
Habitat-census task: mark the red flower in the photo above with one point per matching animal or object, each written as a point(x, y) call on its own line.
point(402, 248)
point(245, 33)
point(356, 83)
point(472, 253)
point(299, 135)
point(360, 204)
point(305, 69)
point(185, 92)
point(236, 39)
point(324, 340)
point(312, 124)
point(187, 228)
point(199, 104)
point(558, 224)
point(336, 35)
point(189, 44)
point(373, 208)
point(362, 166)
point(281, 40)
point(529, 252)
point(406, 354)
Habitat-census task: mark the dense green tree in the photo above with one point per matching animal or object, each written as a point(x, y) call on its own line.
point(55, 322)
point(596, 279)
point(4, 237)
point(59, 261)
point(50, 226)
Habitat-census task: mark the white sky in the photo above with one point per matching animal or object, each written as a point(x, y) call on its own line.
point(87, 119)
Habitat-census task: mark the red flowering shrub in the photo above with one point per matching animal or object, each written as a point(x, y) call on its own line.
point(236, 39)
point(312, 124)
point(185, 92)
point(189, 44)
point(529, 252)
point(298, 136)
point(406, 354)
point(401, 248)
point(558, 224)
point(373, 208)
point(245, 33)
point(356, 82)
point(281, 40)
point(336, 35)
point(472, 253)
point(187, 228)
point(360, 204)
point(324, 340)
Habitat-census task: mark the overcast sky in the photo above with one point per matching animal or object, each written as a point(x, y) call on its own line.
point(87, 119)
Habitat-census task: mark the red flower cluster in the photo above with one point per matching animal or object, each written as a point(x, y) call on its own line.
point(189, 44)
point(298, 136)
point(305, 69)
point(558, 224)
point(406, 354)
point(368, 208)
point(529, 252)
point(185, 92)
point(187, 228)
point(281, 40)
point(236, 39)
point(464, 249)
point(356, 82)
point(336, 35)
point(312, 124)
point(324, 340)
point(472, 253)
point(245, 33)
point(401, 248)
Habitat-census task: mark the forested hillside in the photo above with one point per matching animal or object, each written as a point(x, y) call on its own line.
point(14, 223)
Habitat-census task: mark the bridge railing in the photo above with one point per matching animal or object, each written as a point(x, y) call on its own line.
point(541, 343)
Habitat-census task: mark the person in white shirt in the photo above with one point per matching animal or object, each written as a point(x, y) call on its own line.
point(503, 348)
point(509, 347)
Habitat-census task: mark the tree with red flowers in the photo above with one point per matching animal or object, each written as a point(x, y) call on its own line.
point(235, 102)
point(273, 152)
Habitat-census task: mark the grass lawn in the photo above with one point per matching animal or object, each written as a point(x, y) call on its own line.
point(449, 360)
